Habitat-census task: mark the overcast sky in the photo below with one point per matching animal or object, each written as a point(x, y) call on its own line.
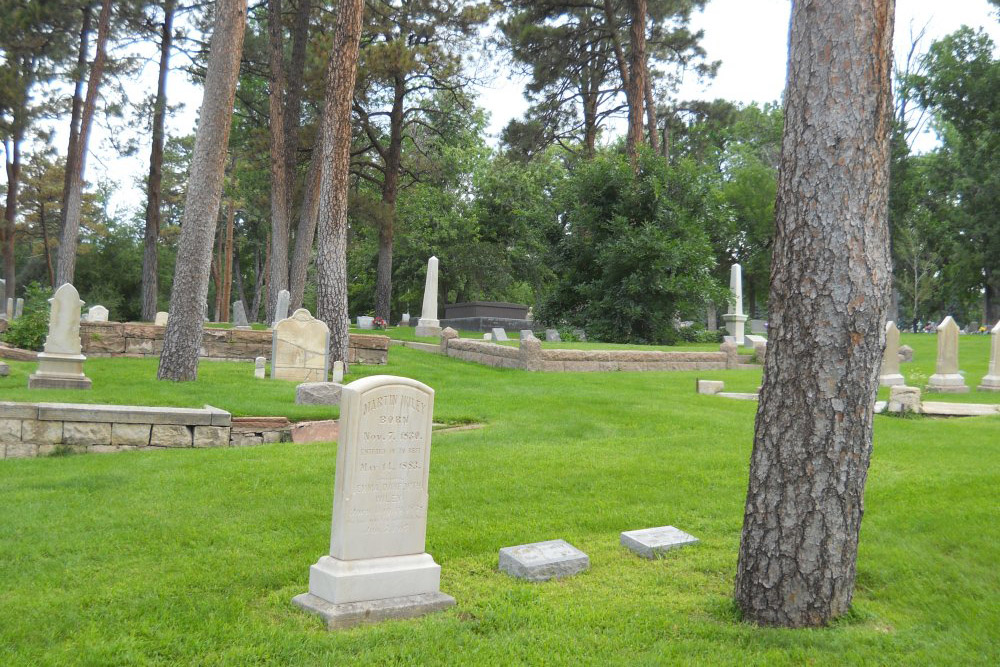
point(750, 37)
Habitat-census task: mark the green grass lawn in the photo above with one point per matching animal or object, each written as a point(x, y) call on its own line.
point(192, 557)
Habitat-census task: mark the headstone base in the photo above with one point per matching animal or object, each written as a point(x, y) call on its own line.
point(59, 371)
point(952, 383)
point(243, 328)
point(735, 325)
point(45, 381)
point(894, 380)
point(428, 327)
point(339, 581)
point(990, 383)
point(350, 614)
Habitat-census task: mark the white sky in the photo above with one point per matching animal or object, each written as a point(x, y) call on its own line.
point(750, 37)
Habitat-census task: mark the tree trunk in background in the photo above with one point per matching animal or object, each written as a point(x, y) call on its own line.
point(293, 99)
point(182, 338)
point(331, 251)
point(216, 272)
point(227, 266)
point(306, 233)
point(76, 110)
point(390, 192)
point(831, 269)
point(43, 223)
point(260, 288)
point(66, 259)
point(150, 256)
point(12, 156)
point(652, 132)
point(635, 86)
point(280, 193)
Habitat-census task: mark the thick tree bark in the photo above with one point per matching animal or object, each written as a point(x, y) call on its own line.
point(43, 223)
point(227, 267)
point(635, 86)
point(331, 255)
point(652, 132)
point(306, 231)
point(280, 197)
point(182, 338)
point(66, 259)
point(80, 77)
point(293, 99)
point(830, 282)
point(154, 189)
point(12, 153)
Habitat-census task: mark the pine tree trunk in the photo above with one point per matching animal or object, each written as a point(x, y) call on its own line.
point(227, 268)
point(150, 249)
point(390, 191)
point(12, 154)
point(306, 232)
point(182, 338)
point(66, 259)
point(652, 131)
point(80, 78)
point(635, 87)
point(280, 198)
point(830, 282)
point(331, 255)
point(43, 223)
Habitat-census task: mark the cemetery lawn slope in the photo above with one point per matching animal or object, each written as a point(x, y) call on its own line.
point(192, 557)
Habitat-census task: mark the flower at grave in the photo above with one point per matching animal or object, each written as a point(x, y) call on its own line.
point(379, 323)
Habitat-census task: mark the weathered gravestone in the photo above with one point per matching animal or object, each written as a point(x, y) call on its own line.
point(649, 542)
point(240, 316)
point(259, 368)
point(552, 336)
point(735, 319)
point(580, 335)
point(499, 334)
point(318, 393)
point(97, 314)
point(366, 322)
point(18, 307)
point(281, 308)
point(300, 348)
point(405, 321)
point(338, 371)
point(527, 334)
point(542, 561)
point(10, 309)
point(377, 568)
point(429, 324)
point(905, 354)
point(60, 365)
point(161, 319)
point(889, 374)
point(991, 381)
point(947, 378)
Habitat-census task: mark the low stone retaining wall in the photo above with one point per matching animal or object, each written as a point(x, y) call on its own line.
point(530, 356)
point(127, 339)
point(39, 429)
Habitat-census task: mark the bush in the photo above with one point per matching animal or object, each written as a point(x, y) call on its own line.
point(28, 331)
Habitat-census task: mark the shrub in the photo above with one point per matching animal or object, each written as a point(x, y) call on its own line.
point(28, 331)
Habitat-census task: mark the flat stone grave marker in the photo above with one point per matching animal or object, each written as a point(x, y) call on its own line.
point(552, 336)
point(649, 542)
point(541, 561)
point(300, 348)
point(161, 319)
point(499, 334)
point(377, 567)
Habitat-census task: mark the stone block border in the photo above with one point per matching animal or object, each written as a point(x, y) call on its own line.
point(530, 356)
point(40, 429)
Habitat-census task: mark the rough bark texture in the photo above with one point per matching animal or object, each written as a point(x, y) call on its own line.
point(154, 189)
point(829, 292)
point(76, 111)
point(390, 192)
point(280, 197)
point(635, 85)
point(331, 251)
point(306, 231)
point(188, 304)
point(66, 259)
point(12, 152)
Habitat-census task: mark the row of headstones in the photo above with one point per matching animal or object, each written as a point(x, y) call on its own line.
point(947, 377)
point(551, 335)
point(377, 567)
point(239, 313)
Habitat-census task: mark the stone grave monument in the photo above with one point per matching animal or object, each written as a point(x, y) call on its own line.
point(260, 368)
point(161, 319)
point(300, 348)
point(429, 324)
point(97, 314)
point(735, 319)
point(60, 365)
point(552, 336)
point(18, 308)
point(650, 542)
point(889, 376)
point(366, 322)
point(947, 378)
point(10, 309)
point(240, 316)
point(405, 321)
point(991, 381)
point(377, 568)
point(338, 371)
point(499, 334)
point(281, 308)
point(542, 561)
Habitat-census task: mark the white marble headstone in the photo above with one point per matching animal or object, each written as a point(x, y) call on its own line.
point(499, 334)
point(429, 324)
point(60, 365)
point(947, 379)
point(991, 381)
point(161, 319)
point(300, 348)
point(889, 374)
point(97, 314)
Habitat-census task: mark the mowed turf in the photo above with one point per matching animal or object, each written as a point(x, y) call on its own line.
point(192, 557)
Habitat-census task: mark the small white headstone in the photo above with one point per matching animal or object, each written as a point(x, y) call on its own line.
point(377, 566)
point(281, 308)
point(542, 561)
point(259, 368)
point(552, 336)
point(947, 379)
point(338, 371)
point(649, 542)
point(499, 334)
point(991, 381)
point(18, 307)
point(406, 320)
point(889, 374)
point(711, 386)
point(527, 334)
point(10, 309)
point(161, 319)
point(97, 314)
point(487, 336)
point(366, 322)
